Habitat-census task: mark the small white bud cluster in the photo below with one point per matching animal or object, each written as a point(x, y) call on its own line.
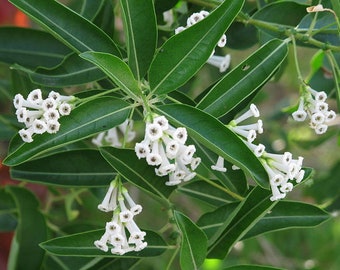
point(41, 115)
point(314, 105)
point(164, 146)
point(115, 235)
point(221, 62)
point(114, 136)
point(281, 168)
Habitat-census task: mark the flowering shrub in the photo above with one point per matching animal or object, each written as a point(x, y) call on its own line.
point(129, 105)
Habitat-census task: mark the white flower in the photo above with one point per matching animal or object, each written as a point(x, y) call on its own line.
point(35, 96)
point(222, 42)
point(26, 134)
point(51, 114)
point(134, 208)
point(52, 126)
point(109, 202)
point(64, 108)
point(48, 104)
point(142, 149)
point(221, 62)
point(219, 166)
point(153, 131)
point(252, 112)
point(277, 195)
point(39, 126)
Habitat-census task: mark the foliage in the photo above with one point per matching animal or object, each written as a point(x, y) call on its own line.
point(125, 62)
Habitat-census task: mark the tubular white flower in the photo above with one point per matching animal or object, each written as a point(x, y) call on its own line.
point(179, 30)
point(317, 118)
point(318, 96)
point(277, 195)
point(222, 42)
point(98, 139)
point(284, 158)
point(109, 202)
point(134, 208)
point(194, 163)
point(258, 126)
point(320, 128)
point(286, 187)
point(257, 149)
point(35, 96)
point(194, 18)
point(112, 227)
point(142, 149)
point(250, 135)
point(49, 103)
point(64, 109)
point(52, 126)
point(153, 131)
point(300, 176)
point(299, 115)
point(102, 243)
point(154, 158)
point(219, 166)
point(204, 13)
point(166, 167)
point(180, 135)
point(252, 112)
point(234, 167)
point(187, 155)
point(112, 137)
point(221, 62)
point(171, 147)
point(275, 178)
point(321, 106)
point(39, 126)
point(172, 180)
point(330, 116)
point(27, 116)
point(125, 215)
point(26, 134)
point(51, 114)
point(162, 121)
point(19, 102)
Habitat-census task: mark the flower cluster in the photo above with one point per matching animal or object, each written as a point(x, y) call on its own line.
point(221, 62)
point(314, 105)
point(114, 136)
point(164, 146)
point(115, 235)
point(41, 115)
point(281, 168)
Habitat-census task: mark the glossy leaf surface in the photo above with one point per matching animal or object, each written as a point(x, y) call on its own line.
point(83, 168)
point(72, 29)
point(245, 79)
point(193, 245)
point(141, 34)
point(91, 117)
point(184, 54)
point(31, 230)
point(116, 69)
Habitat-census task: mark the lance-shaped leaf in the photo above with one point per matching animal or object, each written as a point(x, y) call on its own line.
point(252, 267)
point(253, 208)
point(31, 230)
point(71, 168)
point(289, 214)
point(140, 29)
point(72, 71)
point(49, 53)
point(84, 121)
point(8, 221)
point(245, 79)
point(136, 171)
point(214, 135)
point(69, 27)
point(82, 244)
point(184, 54)
point(117, 70)
point(193, 244)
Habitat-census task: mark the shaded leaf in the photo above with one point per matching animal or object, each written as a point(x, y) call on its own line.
point(117, 70)
point(84, 121)
point(214, 135)
point(289, 214)
point(245, 79)
point(69, 27)
point(141, 34)
point(82, 244)
point(30, 232)
point(71, 168)
point(252, 267)
point(136, 171)
point(13, 50)
point(193, 244)
point(184, 54)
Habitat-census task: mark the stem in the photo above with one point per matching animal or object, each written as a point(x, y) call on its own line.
point(210, 182)
point(296, 62)
point(336, 74)
point(83, 100)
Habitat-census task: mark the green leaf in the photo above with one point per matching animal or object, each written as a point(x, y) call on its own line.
point(136, 171)
point(84, 121)
point(49, 53)
point(253, 208)
point(117, 70)
point(7, 208)
point(82, 244)
point(72, 168)
point(276, 13)
point(289, 214)
point(72, 71)
point(252, 267)
point(245, 79)
point(214, 135)
point(193, 244)
point(69, 27)
point(205, 192)
point(184, 54)
point(30, 232)
point(140, 29)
